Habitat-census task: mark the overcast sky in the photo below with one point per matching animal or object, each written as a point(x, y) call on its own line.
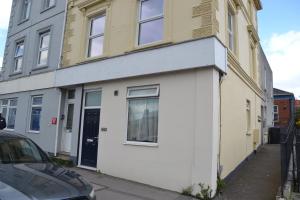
point(279, 30)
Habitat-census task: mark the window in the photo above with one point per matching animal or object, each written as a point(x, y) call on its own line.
point(35, 116)
point(49, 4)
point(253, 62)
point(43, 48)
point(230, 30)
point(70, 115)
point(19, 53)
point(96, 36)
point(248, 116)
point(71, 94)
point(143, 114)
point(9, 111)
point(151, 21)
point(276, 113)
point(25, 9)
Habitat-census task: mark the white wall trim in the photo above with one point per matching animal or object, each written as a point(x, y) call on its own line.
point(194, 54)
point(28, 83)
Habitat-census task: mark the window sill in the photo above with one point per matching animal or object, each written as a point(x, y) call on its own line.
point(39, 68)
point(34, 132)
point(23, 21)
point(146, 144)
point(46, 9)
point(8, 129)
point(15, 73)
point(153, 45)
point(90, 59)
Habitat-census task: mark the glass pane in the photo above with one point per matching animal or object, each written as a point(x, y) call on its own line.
point(35, 118)
point(230, 25)
point(49, 3)
point(231, 42)
point(19, 49)
point(11, 118)
point(71, 94)
point(45, 41)
point(19, 151)
point(13, 102)
point(151, 31)
point(95, 47)
point(4, 102)
point(93, 98)
point(4, 113)
point(18, 64)
point(97, 25)
point(151, 8)
point(70, 117)
point(43, 57)
point(37, 100)
point(142, 92)
point(26, 9)
point(143, 120)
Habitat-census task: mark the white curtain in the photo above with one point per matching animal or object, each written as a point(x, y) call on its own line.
point(143, 120)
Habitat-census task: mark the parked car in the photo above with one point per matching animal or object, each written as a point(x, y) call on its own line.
point(27, 173)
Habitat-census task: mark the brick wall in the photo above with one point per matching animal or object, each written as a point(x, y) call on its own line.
point(284, 112)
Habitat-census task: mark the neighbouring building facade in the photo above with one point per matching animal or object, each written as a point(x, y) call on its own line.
point(29, 100)
point(266, 85)
point(164, 92)
point(284, 107)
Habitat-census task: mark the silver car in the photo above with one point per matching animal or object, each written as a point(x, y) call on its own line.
point(27, 173)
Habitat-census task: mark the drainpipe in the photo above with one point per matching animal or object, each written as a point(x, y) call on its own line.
point(62, 35)
point(80, 117)
point(59, 90)
point(57, 121)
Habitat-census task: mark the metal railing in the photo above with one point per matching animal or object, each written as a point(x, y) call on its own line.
point(287, 151)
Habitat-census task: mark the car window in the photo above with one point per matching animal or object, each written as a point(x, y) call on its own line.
point(19, 150)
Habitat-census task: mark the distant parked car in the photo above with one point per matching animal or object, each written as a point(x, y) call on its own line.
point(27, 173)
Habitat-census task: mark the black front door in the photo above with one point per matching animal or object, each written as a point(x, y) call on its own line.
point(90, 137)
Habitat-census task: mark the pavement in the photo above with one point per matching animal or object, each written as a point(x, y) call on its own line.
point(257, 179)
point(112, 188)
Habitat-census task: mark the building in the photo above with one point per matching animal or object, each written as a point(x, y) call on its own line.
point(164, 92)
point(267, 87)
point(297, 104)
point(29, 100)
point(284, 107)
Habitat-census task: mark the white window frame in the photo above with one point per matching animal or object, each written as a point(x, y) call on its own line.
point(154, 18)
point(25, 10)
point(8, 107)
point(47, 5)
point(91, 37)
point(154, 95)
point(231, 29)
point(16, 57)
point(40, 49)
point(277, 112)
point(35, 106)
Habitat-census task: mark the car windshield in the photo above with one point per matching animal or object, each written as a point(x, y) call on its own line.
point(19, 150)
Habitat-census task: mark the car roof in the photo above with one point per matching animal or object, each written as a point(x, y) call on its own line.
point(10, 134)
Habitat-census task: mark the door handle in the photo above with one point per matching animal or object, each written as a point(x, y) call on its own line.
point(89, 140)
